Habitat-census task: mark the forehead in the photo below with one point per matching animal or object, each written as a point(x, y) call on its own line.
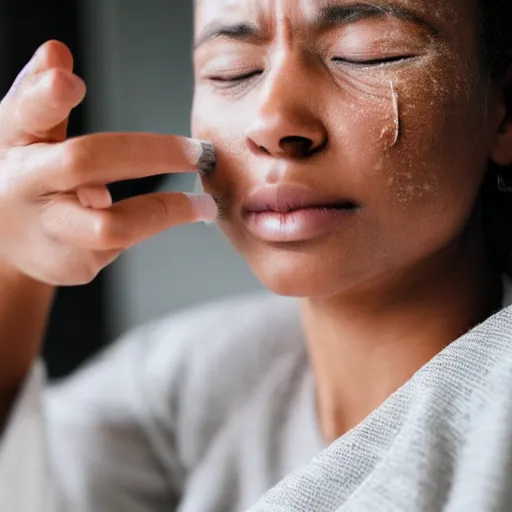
point(299, 11)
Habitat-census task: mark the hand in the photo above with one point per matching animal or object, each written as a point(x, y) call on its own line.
point(57, 221)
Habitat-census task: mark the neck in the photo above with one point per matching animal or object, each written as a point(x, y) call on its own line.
point(366, 344)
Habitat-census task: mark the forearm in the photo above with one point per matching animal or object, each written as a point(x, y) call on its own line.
point(25, 305)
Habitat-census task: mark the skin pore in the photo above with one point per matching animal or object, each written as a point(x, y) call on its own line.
point(401, 122)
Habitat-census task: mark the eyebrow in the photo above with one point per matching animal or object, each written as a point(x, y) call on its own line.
point(247, 32)
point(328, 16)
point(336, 14)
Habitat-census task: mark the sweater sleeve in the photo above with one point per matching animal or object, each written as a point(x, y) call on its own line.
point(85, 444)
point(25, 483)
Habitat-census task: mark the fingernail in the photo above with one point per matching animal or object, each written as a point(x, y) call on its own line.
point(101, 199)
point(207, 159)
point(205, 207)
point(83, 197)
point(98, 198)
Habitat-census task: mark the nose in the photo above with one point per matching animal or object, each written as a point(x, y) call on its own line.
point(288, 123)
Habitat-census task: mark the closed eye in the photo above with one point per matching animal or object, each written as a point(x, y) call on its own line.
point(374, 62)
point(235, 78)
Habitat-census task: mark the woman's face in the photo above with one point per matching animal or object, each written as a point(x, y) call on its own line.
point(352, 137)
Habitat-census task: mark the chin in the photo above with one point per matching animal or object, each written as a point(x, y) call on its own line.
point(319, 268)
point(298, 274)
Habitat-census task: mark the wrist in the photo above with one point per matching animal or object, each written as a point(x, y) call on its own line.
point(11, 276)
point(25, 306)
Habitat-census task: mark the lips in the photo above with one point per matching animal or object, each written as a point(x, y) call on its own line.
point(289, 198)
point(292, 213)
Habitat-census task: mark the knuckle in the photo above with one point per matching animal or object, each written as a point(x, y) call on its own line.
point(52, 53)
point(126, 145)
point(14, 165)
point(52, 225)
point(56, 83)
point(75, 159)
point(48, 48)
point(158, 209)
point(105, 258)
point(88, 273)
point(79, 270)
point(82, 268)
point(104, 230)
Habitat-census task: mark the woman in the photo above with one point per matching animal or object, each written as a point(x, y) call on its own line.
point(362, 153)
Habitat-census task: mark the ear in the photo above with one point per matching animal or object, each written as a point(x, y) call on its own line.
point(501, 153)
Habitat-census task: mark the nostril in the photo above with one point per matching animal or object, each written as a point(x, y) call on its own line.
point(257, 148)
point(290, 146)
point(296, 146)
point(298, 140)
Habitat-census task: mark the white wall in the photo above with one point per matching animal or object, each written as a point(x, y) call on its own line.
point(141, 80)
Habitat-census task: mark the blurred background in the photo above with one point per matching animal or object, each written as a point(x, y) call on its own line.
point(135, 56)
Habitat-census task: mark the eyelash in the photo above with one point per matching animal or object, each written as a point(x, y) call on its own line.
point(241, 79)
point(235, 80)
point(375, 62)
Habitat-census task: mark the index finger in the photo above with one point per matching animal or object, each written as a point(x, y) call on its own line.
point(104, 158)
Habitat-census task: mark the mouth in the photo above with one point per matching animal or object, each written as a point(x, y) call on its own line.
point(292, 213)
point(290, 198)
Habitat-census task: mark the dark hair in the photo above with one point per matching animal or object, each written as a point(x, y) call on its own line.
point(496, 35)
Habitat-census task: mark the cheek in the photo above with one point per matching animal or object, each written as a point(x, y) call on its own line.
point(223, 126)
point(419, 192)
point(420, 147)
point(215, 118)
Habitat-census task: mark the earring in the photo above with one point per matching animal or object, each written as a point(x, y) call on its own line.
point(503, 186)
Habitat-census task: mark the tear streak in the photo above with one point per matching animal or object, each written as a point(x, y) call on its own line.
point(396, 110)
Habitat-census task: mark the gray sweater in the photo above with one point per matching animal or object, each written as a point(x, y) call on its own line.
point(207, 410)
